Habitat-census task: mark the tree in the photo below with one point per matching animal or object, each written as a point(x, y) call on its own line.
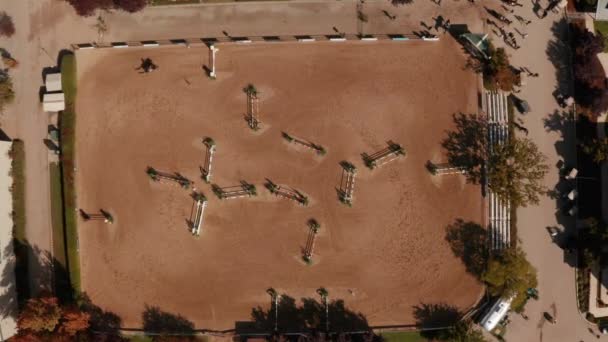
point(589, 75)
point(467, 145)
point(497, 70)
point(130, 5)
point(516, 170)
point(596, 149)
point(40, 314)
point(463, 331)
point(87, 8)
point(509, 274)
point(74, 321)
point(7, 95)
point(7, 27)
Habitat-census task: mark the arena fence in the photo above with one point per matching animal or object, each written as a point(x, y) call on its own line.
point(188, 42)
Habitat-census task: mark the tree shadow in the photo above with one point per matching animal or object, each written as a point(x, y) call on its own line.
point(466, 145)
point(160, 322)
point(558, 52)
point(308, 318)
point(469, 241)
point(435, 316)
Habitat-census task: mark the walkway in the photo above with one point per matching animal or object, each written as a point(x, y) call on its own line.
point(544, 52)
point(495, 105)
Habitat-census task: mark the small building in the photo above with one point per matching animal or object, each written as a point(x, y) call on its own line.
point(53, 82)
point(477, 44)
point(53, 102)
point(496, 313)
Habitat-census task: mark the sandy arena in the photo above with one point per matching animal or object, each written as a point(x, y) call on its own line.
point(383, 256)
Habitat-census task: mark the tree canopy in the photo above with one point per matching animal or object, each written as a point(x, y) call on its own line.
point(43, 316)
point(7, 27)
point(516, 171)
point(589, 75)
point(510, 274)
point(7, 94)
point(497, 71)
point(88, 7)
point(597, 149)
point(40, 314)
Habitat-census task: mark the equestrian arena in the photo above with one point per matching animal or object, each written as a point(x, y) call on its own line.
point(341, 135)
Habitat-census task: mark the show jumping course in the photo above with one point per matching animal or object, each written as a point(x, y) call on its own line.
point(341, 97)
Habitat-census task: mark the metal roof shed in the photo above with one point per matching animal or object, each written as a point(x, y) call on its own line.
point(53, 82)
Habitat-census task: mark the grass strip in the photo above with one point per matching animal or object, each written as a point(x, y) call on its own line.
point(402, 336)
point(17, 155)
point(67, 125)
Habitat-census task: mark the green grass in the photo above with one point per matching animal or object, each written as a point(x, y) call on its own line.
point(20, 241)
point(57, 214)
point(67, 125)
point(602, 28)
point(402, 336)
point(18, 190)
point(62, 279)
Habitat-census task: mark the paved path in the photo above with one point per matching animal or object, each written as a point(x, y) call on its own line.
point(543, 51)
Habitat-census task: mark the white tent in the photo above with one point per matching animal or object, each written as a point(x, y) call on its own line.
point(53, 82)
point(53, 102)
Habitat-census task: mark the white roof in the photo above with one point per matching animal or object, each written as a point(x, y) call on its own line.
point(53, 106)
point(496, 314)
point(8, 312)
point(53, 82)
point(53, 102)
point(54, 97)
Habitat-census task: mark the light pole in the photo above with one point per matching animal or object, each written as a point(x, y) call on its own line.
point(212, 52)
point(274, 296)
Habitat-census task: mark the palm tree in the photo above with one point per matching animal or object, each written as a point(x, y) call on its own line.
point(324, 296)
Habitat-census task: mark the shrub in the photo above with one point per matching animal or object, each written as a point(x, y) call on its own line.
point(7, 27)
point(498, 73)
point(130, 5)
point(7, 95)
point(88, 7)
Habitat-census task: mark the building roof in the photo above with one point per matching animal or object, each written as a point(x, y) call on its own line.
point(8, 304)
point(601, 12)
point(479, 41)
point(53, 102)
point(53, 82)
